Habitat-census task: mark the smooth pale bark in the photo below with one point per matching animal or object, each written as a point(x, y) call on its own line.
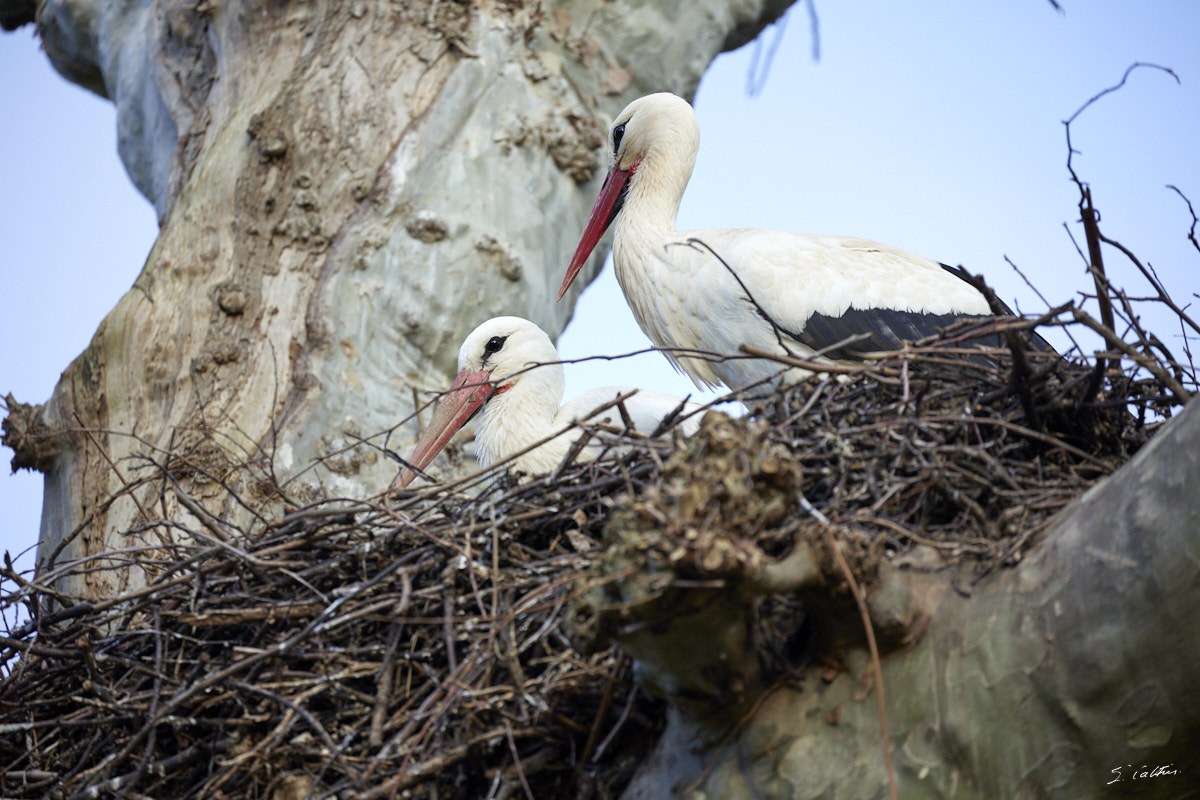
point(1055, 679)
point(345, 190)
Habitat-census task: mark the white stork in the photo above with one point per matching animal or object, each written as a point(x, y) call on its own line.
point(714, 290)
point(510, 374)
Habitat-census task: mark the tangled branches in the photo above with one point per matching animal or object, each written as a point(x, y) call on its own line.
point(350, 651)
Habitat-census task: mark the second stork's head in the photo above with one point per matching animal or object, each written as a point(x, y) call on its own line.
point(499, 376)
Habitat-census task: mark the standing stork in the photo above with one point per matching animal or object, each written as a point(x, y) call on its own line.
point(511, 376)
point(716, 290)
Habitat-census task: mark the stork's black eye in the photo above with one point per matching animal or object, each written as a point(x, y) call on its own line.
point(494, 344)
point(618, 134)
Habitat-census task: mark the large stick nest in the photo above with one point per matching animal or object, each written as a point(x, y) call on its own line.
point(418, 645)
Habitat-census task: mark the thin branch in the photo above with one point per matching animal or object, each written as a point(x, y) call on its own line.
point(1071, 151)
point(1191, 231)
point(868, 628)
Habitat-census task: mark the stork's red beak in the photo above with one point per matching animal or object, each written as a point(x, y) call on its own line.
point(469, 391)
point(612, 195)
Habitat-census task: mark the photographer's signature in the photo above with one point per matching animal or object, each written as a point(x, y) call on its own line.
point(1142, 772)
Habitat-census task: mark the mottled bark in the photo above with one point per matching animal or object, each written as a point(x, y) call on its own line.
point(345, 190)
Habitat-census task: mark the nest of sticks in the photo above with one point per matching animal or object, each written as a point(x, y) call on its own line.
point(419, 644)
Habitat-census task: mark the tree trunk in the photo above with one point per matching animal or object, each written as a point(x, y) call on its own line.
point(345, 190)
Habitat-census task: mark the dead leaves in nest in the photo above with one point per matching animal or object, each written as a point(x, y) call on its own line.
point(717, 495)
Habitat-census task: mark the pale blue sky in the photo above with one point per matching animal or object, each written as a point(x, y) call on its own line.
point(933, 126)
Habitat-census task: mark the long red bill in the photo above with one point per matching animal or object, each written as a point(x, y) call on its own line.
point(603, 212)
point(469, 391)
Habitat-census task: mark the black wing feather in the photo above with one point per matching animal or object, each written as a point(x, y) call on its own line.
point(882, 329)
point(889, 328)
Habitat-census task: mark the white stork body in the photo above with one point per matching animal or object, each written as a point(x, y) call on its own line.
point(681, 285)
point(510, 375)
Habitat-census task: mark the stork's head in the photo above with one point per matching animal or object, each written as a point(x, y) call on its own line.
point(652, 148)
point(502, 350)
point(494, 358)
point(660, 124)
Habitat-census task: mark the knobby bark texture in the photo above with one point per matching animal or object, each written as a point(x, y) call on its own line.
point(345, 190)
point(1071, 675)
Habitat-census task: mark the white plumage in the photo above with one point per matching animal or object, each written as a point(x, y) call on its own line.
point(510, 375)
point(817, 289)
